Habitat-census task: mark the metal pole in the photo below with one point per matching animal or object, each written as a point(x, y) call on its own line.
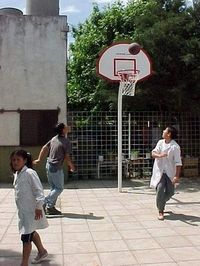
point(120, 139)
point(129, 135)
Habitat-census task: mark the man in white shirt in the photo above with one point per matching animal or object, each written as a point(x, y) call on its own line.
point(166, 168)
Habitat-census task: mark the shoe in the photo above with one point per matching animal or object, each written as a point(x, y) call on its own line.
point(53, 211)
point(39, 258)
point(161, 216)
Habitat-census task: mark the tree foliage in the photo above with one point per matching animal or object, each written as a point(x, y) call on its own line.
point(167, 30)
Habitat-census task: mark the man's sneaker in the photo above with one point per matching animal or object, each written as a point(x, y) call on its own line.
point(161, 216)
point(39, 257)
point(53, 211)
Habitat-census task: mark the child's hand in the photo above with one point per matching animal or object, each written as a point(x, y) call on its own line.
point(36, 161)
point(38, 214)
point(162, 155)
point(72, 169)
point(175, 180)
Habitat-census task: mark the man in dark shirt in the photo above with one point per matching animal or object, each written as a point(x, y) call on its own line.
point(59, 148)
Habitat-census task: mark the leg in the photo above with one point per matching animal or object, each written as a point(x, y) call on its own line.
point(42, 252)
point(169, 190)
point(26, 253)
point(57, 179)
point(38, 243)
point(49, 177)
point(27, 246)
point(160, 194)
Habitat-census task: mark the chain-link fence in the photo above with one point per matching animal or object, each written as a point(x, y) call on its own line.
point(94, 137)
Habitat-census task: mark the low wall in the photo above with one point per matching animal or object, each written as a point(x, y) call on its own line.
point(5, 170)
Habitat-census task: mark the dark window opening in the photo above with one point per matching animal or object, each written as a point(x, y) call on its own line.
point(37, 126)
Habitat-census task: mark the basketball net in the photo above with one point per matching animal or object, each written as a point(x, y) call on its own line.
point(128, 80)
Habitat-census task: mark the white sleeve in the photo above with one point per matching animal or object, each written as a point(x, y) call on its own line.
point(157, 149)
point(177, 156)
point(36, 187)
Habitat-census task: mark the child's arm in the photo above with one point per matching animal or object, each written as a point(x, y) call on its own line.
point(38, 191)
point(157, 155)
point(41, 154)
point(69, 162)
point(176, 178)
point(156, 152)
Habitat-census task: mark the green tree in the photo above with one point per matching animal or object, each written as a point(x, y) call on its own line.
point(167, 30)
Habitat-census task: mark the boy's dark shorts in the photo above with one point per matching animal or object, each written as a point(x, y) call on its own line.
point(27, 238)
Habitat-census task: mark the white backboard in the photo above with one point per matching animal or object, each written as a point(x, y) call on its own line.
point(117, 57)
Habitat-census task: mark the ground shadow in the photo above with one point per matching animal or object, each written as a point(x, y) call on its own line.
point(89, 216)
point(10, 258)
point(190, 184)
point(188, 219)
point(105, 183)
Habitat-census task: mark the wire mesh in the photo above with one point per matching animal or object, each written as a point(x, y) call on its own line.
point(95, 134)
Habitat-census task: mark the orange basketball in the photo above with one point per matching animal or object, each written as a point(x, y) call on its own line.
point(134, 48)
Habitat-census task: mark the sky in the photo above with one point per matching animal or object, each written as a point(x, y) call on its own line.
point(76, 10)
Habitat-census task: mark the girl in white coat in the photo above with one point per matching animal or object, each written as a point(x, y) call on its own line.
point(29, 197)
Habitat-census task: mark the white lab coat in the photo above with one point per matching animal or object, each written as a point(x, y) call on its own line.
point(29, 196)
point(166, 164)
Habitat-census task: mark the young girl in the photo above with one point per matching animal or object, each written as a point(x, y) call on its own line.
point(29, 197)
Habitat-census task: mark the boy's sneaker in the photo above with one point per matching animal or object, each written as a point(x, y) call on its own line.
point(53, 211)
point(39, 258)
point(161, 216)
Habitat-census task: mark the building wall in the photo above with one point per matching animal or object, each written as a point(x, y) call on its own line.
point(5, 170)
point(32, 69)
point(32, 77)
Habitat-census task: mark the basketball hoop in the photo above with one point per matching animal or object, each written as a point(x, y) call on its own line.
point(128, 80)
point(122, 69)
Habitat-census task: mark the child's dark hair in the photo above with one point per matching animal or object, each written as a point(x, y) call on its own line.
point(59, 128)
point(25, 155)
point(173, 131)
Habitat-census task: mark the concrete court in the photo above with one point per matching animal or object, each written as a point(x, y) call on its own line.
point(103, 227)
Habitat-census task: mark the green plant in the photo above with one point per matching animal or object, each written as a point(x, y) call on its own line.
point(111, 155)
point(134, 152)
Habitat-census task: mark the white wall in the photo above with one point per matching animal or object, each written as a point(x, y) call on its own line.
point(9, 130)
point(32, 67)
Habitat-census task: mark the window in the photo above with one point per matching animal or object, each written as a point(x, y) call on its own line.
point(37, 126)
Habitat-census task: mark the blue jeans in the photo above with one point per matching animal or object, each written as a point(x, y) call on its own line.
point(56, 182)
point(164, 192)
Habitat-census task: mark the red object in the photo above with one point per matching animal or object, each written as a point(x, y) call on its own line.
point(134, 48)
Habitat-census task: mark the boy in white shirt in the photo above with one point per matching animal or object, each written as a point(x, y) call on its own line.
point(166, 168)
